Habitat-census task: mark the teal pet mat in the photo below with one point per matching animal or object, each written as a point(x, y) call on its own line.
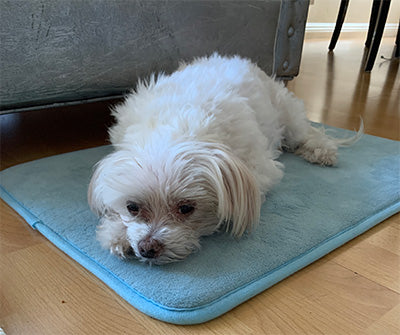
point(310, 213)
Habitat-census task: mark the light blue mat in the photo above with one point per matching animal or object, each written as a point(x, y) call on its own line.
point(313, 211)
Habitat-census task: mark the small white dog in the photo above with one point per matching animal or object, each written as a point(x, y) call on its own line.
point(195, 152)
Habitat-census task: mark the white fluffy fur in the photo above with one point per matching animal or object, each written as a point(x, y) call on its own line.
point(208, 135)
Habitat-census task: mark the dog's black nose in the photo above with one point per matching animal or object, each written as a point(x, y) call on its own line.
point(150, 248)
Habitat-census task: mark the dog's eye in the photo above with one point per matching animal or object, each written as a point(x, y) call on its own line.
point(133, 208)
point(185, 209)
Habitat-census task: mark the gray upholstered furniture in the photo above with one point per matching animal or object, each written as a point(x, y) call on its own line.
point(70, 51)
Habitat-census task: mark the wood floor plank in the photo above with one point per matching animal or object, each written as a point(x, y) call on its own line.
point(289, 311)
point(386, 236)
point(374, 255)
point(351, 297)
point(15, 236)
point(372, 262)
point(319, 298)
point(389, 324)
point(49, 290)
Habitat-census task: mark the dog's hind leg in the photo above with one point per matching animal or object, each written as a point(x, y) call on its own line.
point(305, 140)
point(318, 148)
point(299, 136)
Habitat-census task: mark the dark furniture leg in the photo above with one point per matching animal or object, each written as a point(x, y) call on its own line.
point(397, 52)
point(339, 22)
point(377, 36)
point(372, 21)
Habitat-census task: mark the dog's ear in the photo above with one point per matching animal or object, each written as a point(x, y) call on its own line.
point(96, 189)
point(238, 195)
point(103, 189)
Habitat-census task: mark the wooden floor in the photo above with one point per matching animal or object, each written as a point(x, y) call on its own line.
point(353, 290)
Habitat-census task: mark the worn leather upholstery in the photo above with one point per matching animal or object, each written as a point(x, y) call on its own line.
point(71, 51)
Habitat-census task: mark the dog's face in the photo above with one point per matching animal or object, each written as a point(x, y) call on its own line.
point(157, 202)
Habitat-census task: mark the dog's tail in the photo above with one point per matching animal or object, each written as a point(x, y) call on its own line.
point(348, 141)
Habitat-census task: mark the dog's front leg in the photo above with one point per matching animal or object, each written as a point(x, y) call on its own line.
point(111, 233)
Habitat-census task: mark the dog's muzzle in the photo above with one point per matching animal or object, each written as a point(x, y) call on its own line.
point(150, 248)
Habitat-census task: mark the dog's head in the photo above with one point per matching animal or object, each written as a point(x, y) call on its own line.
point(166, 197)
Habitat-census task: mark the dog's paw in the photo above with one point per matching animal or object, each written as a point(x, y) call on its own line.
point(318, 154)
point(121, 249)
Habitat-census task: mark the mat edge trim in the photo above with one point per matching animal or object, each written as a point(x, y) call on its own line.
point(222, 304)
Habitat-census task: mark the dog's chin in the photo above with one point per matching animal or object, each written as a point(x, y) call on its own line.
point(161, 260)
point(168, 256)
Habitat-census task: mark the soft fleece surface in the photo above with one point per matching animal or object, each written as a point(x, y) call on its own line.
point(313, 211)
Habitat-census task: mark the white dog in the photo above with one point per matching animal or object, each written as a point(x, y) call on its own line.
point(195, 152)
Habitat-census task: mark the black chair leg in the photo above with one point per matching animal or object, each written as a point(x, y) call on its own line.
point(339, 22)
point(377, 36)
point(397, 51)
point(372, 22)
